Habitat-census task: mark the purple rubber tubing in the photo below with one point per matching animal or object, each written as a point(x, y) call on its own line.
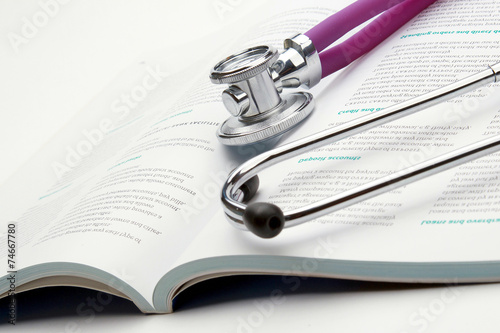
point(338, 24)
point(335, 26)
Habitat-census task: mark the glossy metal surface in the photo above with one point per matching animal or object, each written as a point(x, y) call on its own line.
point(257, 76)
point(234, 209)
point(293, 108)
point(244, 65)
point(299, 64)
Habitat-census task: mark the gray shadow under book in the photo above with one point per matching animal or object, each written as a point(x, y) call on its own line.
point(62, 302)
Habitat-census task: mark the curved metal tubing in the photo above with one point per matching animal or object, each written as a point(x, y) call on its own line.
point(234, 209)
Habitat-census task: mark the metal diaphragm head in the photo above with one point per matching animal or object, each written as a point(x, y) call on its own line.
point(253, 98)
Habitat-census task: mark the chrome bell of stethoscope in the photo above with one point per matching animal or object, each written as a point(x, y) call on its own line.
point(258, 75)
point(256, 78)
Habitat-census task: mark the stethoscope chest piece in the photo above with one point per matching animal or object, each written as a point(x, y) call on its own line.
point(258, 111)
point(292, 109)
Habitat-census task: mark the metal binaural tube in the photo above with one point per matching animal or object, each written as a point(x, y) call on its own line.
point(235, 210)
point(392, 181)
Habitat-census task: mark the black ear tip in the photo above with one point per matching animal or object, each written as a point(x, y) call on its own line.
point(250, 187)
point(264, 219)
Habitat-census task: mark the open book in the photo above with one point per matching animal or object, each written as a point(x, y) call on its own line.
point(135, 209)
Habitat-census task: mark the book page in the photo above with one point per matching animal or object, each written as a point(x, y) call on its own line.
point(452, 216)
point(63, 211)
point(139, 198)
point(61, 201)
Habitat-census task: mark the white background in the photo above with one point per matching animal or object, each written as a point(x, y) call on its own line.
point(50, 75)
point(72, 57)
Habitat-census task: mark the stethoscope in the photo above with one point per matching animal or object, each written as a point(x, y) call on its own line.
point(258, 75)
